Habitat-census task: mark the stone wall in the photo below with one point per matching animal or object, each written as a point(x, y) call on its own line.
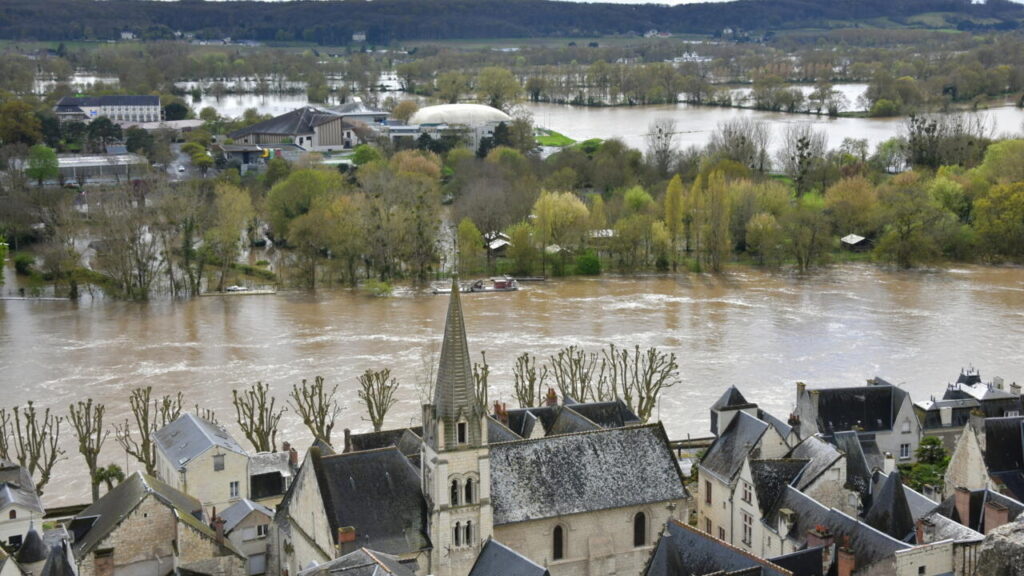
point(146, 535)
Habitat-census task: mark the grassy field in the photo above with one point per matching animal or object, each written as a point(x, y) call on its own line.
point(552, 138)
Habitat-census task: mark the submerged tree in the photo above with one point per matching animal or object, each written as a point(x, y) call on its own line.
point(32, 439)
point(377, 391)
point(258, 416)
point(150, 415)
point(87, 419)
point(529, 381)
point(316, 407)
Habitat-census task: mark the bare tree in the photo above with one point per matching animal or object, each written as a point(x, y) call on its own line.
point(638, 377)
point(257, 416)
point(573, 371)
point(480, 374)
point(32, 439)
point(803, 148)
point(377, 391)
point(150, 415)
point(87, 418)
point(529, 382)
point(428, 371)
point(317, 408)
point(661, 142)
point(742, 140)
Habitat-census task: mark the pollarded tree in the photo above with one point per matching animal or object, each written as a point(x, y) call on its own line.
point(258, 416)
point(149, 414)
point(529, 381)
point(377, 391)
point(316, 406)
point(87, 419)
point(573, 370)
point(638, 377)
point(32, 438)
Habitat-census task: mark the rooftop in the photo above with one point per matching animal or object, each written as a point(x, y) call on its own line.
point(189, 436)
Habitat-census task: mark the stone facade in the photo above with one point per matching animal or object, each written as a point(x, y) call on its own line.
point(144, 543)
point(201, 479)
point(301, 533)
point(967, 465)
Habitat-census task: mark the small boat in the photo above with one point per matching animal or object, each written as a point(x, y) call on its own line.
point(496, 284)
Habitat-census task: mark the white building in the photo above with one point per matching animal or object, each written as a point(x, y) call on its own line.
point(20, 507)
point(202, 460)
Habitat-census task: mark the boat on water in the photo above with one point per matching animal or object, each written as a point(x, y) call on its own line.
point(496, 284)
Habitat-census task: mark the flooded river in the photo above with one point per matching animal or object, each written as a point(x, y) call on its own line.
point(759, 331)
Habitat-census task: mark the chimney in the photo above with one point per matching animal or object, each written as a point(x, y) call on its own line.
point(888, 464)
point(819, 536)
point(293, 457)
point(348, 440)
point(998, 381)
point(847, 562)
point(504, 414)
point(924, 530)
point(551, 399)
point(962, 502)
point(286, 446)
point(995, 516)
point(1015, 389)
point(346, 534)
point(218, 528)
point(800, 387)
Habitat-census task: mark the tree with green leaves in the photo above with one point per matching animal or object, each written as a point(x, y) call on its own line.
point(42, 164)
point(257, 415)
point(498, 87)
point(471, 247)
point(232, 209)
point(674, 217)
point(377, 392)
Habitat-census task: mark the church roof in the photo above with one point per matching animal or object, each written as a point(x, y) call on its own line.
point(32, 549)
point(496, 558)
point(576, 473)
point(455, 386)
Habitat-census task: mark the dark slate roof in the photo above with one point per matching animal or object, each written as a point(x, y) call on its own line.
point(869, 545)
point(940, 527)
point(113, 100)
point(731, 398)
point(497, 559)
point(362, 562)
point(919, 503)
point(97, 521)
point(239, 511)
point(929, 412)
point(858, 473)
point(1004, 448)
point(821, 454)
point(684, 551)
point(726, 454)
point(17, 487)
point(869, 407)
point(570, 422)
point(58, 562)
point(772, 476)
point(806, 562)
point(607, 414)
point(378, 493)
point(575, 473)
point(979, 498)
point(376, 440)
point(32, 549)
point(890, 512)
point(498, 432)
point(189, 436)
point(781, 427)
point(522, 420)
point(1011, 482)
point(297, 122)
point(270, 462)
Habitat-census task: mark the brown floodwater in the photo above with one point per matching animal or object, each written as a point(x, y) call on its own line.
point(759, 331)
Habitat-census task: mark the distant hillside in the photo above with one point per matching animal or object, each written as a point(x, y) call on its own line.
point(383, 21)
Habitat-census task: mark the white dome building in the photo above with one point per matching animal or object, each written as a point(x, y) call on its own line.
point(459, 114)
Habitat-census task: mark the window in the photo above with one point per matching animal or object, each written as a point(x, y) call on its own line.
point(218, 462)
point(920, 569)
point(461, 428)
point(906, 427)
point(468, 540)
point(707, 491)
point(707, 525)
point(904, 451)
point(639, 529)
point(13, 515)
point(558, 544)
point(261, 530)
point(721, 533)
point(458, 534)
point(14, 541)
point(1013, 413)
point(748, 529)
point(470, 497)
point(455, 493)
point(234, 489)
point(746, 492)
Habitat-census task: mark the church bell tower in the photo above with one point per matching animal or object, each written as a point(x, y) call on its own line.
point(455, 457)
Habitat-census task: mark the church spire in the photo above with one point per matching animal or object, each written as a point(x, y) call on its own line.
point(455, 391)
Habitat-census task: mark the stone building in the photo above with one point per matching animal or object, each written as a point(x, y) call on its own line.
point(989, 454)
point(246, 525)
point(202, 460)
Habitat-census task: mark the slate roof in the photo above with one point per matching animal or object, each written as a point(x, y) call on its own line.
point(378, 493)
point(890, 512)
point(731, 398)
point(872, 408)
point(112, 100)
point(1004, 447)
point(362, 562)
point(375, 440)
point(268, 462)
point(523, 420)
point(357, 108)
point(684, 551)
point(498, 432)
point(455, 384)
point(918, 503)
point(301, 121)
point(771, 477)
point(497, 559)
point(821, 455)
point(32, 549)
point(940, 527)
point(978, 499)
point(806, 562)
point(96, 522)
point(929, 412)
point(189, 436)
point(575, 473)
point(58, 562)
point(781, 427)
point(18, 488)
point(726, 454)
point(239, 511)
point(569, 422)
point(607, 414)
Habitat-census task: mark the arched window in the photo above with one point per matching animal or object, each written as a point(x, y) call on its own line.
point(458, 534)
point(558, 544)
point(640, 529)
point(470, 496)
point(14, 514)
point(469, 533)
point(455, 493)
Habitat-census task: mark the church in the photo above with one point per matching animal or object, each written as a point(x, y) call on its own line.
point(578, 488)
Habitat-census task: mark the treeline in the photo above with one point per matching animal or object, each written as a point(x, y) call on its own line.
point(333, 23)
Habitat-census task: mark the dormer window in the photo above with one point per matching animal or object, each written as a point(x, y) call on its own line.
point(461, 432)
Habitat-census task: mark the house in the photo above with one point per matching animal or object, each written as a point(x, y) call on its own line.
point(881, 414)
point(362, 562)
point(496, 558)
point(271, 473)
point(312, 128)
point(117, 108)
point(732, 401)
point(989, 455)
point(144, 526)
point(477, 476)
point(202, 460)
point(20, 506)
point(246, 525)
point(855, 243)
point(946, 417)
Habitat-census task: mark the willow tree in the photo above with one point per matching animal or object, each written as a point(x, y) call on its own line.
point(32, 439)
point(377, 391)
point(150, 414)
point(316, 406)
point(87, 419)
point(258, 416)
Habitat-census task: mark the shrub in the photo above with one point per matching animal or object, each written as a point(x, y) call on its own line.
point(588, 264)
point(23, 263)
